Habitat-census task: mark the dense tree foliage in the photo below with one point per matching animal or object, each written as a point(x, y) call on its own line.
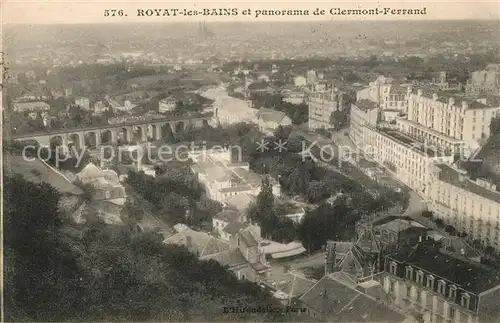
point(173, 194)
point(275, 226)
point(55, 271)
point(330, 221)
point(176, 195)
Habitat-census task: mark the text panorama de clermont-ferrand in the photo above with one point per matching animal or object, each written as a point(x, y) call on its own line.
point(256, 13)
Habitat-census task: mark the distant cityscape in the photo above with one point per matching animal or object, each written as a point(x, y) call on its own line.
point(335, 171)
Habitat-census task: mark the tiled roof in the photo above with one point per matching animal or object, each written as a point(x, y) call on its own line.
point(289, 283)
point(249, 239)
point(258, 266)
point(398, 225)
point(198, 242)
point(241, 201)
point(340, 303)
point(37, 172)
point(230, 258)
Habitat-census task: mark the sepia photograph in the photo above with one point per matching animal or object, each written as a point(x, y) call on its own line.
point(250, 161)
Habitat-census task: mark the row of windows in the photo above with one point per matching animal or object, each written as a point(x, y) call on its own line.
point(429, 281)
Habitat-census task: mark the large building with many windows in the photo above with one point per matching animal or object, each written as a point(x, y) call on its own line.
point(438, 126)
point(363, 112)
point(446, 119)
point(386, 94)
point(322, 103)
point(472, 207)
point(403, 156)
point(440, 287)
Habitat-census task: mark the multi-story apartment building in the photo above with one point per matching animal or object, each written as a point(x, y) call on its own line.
point(439, 286)
point(472, 207)
point(322, 103)
point(446, 119)
point(485, 81)
point(385, 94)
point(406, 158)
point(437, 127)
point(363, 112)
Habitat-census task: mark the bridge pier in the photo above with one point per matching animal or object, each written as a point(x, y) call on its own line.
point(44, 138)
point(81, 139)
point(144, 133)
point(114, 136)
point(158, 132)
point(97, 136)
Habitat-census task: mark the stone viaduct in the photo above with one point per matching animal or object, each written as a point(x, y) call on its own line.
point(138, 131)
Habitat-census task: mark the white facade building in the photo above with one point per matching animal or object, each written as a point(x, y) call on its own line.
point(168, 104)
point(224, 178)
point(447, 120)
point(322, 103)
point(31, 107)
point(363, 112)
point(420, 150)
point(83, 103)
point(472, 207)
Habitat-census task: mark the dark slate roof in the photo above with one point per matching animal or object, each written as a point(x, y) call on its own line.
point(230, 258)
point(340, 303)
point(249, 239)
point(451, 176)
point(473, 277)
point(397, 89)
point(366, 105)
point(477, 105)
point(234, 227)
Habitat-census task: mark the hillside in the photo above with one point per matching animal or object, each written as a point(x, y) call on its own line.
point(58, 271)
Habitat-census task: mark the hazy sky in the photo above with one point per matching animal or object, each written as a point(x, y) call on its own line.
point(92, 11)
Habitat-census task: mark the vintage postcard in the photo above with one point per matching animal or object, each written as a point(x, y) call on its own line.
point(250, 161)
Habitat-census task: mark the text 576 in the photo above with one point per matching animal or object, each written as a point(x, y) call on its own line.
point(114, 13)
